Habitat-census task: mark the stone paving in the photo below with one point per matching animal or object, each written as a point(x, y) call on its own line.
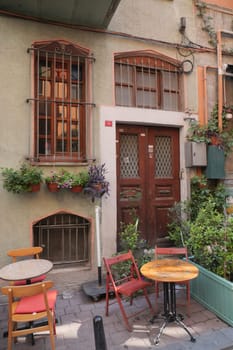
point(75, 327)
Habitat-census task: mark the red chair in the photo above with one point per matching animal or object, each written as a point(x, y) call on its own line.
point(173, 252)
point(21, 253)
point(27, 304)
point(127, 286)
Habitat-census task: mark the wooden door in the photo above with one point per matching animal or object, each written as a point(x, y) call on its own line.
point(147, 177)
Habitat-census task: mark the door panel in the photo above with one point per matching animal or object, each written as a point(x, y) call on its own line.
point(164, 183)
point(148, 177)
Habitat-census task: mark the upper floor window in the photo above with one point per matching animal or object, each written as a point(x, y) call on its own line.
point(62, 104)
point(147, 82)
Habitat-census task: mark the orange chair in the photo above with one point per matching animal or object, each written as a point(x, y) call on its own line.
point(22, 253)
point(30, 303)
point(173, 252)
point(126, 286)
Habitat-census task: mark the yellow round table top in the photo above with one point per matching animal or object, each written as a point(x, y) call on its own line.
point(169, 270)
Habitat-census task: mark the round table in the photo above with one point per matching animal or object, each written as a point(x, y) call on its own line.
point(170, 271)
point(25, 269)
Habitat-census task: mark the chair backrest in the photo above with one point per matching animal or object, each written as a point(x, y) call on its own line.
point(25, 252)
point(129, 268)
point(28, 290)
point(172, 251)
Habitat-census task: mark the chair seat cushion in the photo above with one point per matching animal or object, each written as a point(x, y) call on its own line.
point(130, 287)
point(35, 303)
point(33, 280)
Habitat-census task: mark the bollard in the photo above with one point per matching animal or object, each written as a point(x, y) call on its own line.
point(100, 342)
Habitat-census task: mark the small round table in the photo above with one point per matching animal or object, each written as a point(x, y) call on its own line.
point(25, 269)
point(170, 271)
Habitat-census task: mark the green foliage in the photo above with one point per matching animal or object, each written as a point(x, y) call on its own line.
point(129, 238)
point(67, 179)
point(205, 133)
point(19, 181)
point(81, 178)
point(211, 239)
point(203, 226)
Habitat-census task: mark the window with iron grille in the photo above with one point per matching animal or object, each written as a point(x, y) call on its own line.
point(64, 238)
point(62, 104)
point(147, 82)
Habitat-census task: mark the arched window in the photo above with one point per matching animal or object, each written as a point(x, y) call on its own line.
point(147, 80)
point(62, 103)
point(64, 238)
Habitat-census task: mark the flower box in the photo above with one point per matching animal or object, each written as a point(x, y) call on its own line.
point(214, 292)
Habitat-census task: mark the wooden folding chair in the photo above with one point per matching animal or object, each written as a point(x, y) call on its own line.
point(126, 286)
point(27, 304)
point(22, 253)
point(173, 252)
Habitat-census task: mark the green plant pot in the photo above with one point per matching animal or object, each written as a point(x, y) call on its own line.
point(214, 292)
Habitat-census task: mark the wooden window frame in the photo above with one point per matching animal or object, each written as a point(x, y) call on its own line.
point(155, 65)
point(61, 138)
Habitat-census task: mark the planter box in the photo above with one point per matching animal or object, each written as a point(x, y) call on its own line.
point(215, 293)
point(215, 163)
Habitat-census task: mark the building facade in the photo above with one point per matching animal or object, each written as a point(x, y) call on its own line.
point(123, 96)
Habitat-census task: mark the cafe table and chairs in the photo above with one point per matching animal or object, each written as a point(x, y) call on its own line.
point(170, 272)
point(23, 254)
point(27, 270)
point(30, 303)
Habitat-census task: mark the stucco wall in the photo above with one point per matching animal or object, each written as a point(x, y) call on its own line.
point(159, 20)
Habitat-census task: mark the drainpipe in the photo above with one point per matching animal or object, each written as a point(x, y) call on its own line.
point(220, 79)
point(98, 242)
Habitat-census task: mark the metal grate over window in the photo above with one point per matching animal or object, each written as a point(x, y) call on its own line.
point(62, 103)
point(163, 158)
point(147, 82)
point(64, 238)
point(129, 161)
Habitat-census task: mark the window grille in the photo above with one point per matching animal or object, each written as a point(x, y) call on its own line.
point(147, 82)
point(62, 105)
point(64, 238)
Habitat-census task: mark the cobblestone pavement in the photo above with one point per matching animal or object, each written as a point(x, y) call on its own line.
point(75, 327)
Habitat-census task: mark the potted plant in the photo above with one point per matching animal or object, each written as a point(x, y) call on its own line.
point(52, 181)
point(208, 233)
point(97, 185)
point(79, 181)
point(26, 179)
point(66, 179)
point(210, 133)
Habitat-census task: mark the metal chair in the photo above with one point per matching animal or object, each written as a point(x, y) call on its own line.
point(173, 252)
point(125, 286)
point(23, 253)
point(27, 304)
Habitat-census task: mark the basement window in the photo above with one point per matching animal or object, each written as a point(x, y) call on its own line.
point(64, 238)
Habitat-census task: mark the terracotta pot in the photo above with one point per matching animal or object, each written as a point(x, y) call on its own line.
point(215, 141)
point(97, 186)
point(76, 189)
point(52, 187)
point(34, 188)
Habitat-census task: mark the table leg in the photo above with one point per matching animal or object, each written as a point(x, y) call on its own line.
point(169, 292)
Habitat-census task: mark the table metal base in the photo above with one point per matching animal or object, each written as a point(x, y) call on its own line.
point(169, 314)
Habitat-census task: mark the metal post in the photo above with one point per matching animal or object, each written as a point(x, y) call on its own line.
point(100, 342)
point(98, 242)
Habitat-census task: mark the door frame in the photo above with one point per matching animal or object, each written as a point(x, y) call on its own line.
point(109, 116)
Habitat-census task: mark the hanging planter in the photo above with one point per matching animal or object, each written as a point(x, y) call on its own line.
point(34, 188)
point(64, 179)
point(76, 188)
point(53, 187)
point(23, 179)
